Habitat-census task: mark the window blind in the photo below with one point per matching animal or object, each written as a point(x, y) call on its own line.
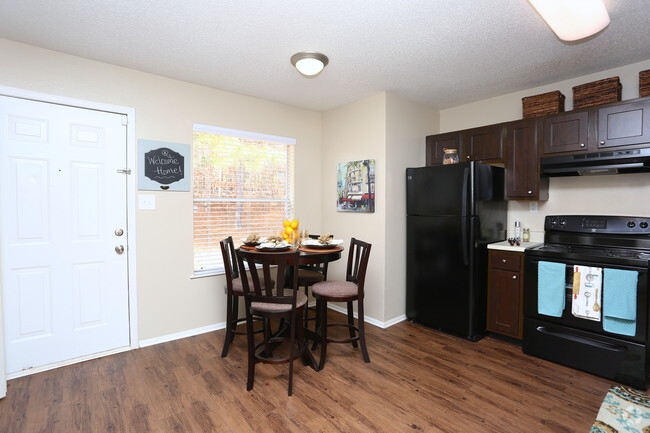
point(243, 184)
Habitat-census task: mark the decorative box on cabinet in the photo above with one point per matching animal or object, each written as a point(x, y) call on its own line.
point(436, 145)
point(523, 181)
point(505, 293)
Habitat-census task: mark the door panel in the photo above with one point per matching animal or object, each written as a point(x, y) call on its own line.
point(65, 288)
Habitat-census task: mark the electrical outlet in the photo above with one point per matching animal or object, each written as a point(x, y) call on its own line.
point(533, 207)
point(147, 202)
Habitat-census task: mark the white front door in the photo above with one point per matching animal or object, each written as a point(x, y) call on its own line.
point(62, 207)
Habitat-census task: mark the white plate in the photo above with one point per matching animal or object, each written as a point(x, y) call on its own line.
point(271, 245)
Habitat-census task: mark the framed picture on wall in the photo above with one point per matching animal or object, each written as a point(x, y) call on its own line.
point(356, 186)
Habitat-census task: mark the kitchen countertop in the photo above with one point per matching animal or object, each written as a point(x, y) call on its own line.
point(505, 246)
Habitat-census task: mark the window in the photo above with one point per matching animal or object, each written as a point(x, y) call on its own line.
point(243, 184)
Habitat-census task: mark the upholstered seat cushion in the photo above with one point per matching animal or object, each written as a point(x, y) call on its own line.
point(335, 289)
point(301, 299)
point(308, 277)
point(238, 288)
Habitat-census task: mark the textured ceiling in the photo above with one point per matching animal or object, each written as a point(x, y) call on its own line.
point(441, 53)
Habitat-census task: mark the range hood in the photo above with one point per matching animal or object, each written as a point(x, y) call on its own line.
point(612, 162)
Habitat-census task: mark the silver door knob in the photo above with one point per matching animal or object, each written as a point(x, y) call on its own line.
point(119, 232)
point(119, 249)
point(582, 145)
point(602, 141)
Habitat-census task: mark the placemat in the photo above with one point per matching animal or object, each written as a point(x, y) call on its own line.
point(320, 251)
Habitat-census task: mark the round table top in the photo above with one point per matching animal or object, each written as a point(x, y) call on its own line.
point(307, 255)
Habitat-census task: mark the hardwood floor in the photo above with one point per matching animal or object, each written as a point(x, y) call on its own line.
point(419, 380)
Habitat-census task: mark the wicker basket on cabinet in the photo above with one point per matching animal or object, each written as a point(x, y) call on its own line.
point(543, 104)
point(597, 93)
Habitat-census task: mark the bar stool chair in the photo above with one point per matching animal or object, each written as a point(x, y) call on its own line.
point(287, 304)
point(234, 291)
point(350, 290)
point(308, 275)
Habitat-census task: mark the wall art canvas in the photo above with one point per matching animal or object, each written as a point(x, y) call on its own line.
point(163, 166)
point(356, 186)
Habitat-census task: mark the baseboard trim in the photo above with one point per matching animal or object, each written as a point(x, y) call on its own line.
point(369, 319)
point(54, 365)
point(182, 334)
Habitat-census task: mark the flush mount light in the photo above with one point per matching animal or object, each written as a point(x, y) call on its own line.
point(573, 19)
point(309, 63)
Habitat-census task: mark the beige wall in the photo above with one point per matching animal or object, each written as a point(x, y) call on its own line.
point(612, 195)
point(169, 301)
point(354, 132)
point(390, 129)
point(407, 125)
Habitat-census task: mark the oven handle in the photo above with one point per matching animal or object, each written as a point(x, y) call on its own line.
point(582, 340)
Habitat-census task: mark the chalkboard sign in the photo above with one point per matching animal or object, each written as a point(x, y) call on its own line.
point(163, 166)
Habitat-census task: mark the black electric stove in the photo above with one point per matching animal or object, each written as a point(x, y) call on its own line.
point(615, 242)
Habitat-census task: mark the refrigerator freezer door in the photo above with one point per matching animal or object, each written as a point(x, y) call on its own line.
point(440, 190)
point(440, 285)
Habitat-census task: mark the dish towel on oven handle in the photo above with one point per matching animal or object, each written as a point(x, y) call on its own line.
point(619, 301)
point(587, 294)
point(551, 286)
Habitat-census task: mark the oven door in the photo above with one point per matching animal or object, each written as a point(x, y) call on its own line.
point(568, 319)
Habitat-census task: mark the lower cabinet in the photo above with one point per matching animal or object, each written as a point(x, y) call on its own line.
point(505, 293)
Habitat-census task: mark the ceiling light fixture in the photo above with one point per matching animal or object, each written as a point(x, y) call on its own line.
point(309, 63)
point(572, 20)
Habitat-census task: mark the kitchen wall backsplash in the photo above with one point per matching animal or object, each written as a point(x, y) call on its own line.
point(621, 194)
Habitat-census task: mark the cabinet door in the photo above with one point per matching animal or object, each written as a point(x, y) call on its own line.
point(624, 125)
point(483, 144)
point(504, 302)
point(436, 145)
point(566, 132)
point(522, 167)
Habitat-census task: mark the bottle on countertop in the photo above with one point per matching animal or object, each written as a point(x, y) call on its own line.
point(525, 237)
point(518, 230)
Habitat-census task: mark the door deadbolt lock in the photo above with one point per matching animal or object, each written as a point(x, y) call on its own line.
point(119, 249)
point(119, 232)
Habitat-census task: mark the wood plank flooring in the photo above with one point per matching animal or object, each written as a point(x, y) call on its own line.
point(419, 380)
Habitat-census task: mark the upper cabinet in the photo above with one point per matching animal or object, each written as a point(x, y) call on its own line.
point(522, 175)
point(436, 145)
point(624, 125)
point(483, 144)
point(567, 132)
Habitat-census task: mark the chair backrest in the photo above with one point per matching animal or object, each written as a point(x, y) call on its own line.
point(358, 263)
point(229, 261)
point(258, 289)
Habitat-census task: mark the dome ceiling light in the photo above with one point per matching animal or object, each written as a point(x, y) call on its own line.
point(309, 63)
point(572, 20)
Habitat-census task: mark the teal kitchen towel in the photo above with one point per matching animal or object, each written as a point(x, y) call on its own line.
point(619, 301)
point(551, 288)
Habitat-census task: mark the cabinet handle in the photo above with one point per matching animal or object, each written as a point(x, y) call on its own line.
point(469, 156)
point(514, 277)
point(503, 260)
point(582, 145)
point(530, 192)
point(602, 141)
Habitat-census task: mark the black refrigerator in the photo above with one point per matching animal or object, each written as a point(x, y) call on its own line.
point(453, 212)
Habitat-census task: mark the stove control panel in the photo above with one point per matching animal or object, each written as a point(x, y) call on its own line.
point(598, 224)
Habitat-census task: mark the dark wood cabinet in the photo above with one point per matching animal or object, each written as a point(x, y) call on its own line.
point(483, 144)
point(505, 293)
point(624, 125)
point(523, 181)
point(436, 145)
point(567, 132)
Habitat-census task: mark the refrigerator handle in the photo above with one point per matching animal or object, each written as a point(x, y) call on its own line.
point(464, 219)
point(463, 209)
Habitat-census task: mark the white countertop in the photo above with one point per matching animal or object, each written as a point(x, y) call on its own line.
point(505, 246)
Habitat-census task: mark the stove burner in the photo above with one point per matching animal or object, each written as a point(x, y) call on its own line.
point(628, 253)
